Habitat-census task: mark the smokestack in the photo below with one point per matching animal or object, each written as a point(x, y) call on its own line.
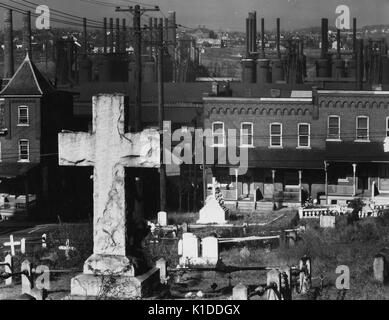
point(27, 33)
point(105, 35)
point(360, 68)
point(324, 37)
point(263, 36)
point(85, 36)
point(172, 27)
point(124, 32)
point(111, 39)
point(117, 42)
point(278, 37)
point(8, 45)
point(165, 35)
point(354, 36)
point(247, 37)
point(254, 32)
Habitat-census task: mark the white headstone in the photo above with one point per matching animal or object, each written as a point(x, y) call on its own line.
point(190, 246)
point(327, 221)
point(162, 218)
point(239, 292)
point(212, 212)
point(210, 249)
point(161, 265)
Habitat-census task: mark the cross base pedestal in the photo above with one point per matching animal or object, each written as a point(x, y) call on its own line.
point(115, 287)
point(104, 264)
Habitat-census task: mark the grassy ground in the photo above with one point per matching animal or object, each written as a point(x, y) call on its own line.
point(353, 244)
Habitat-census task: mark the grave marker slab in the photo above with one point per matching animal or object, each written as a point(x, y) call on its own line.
point(210, 250)
point(379, 268)
point(162, 218)
point(327, 221)
point(212, 212)
point(239, 292)
point(109, 149)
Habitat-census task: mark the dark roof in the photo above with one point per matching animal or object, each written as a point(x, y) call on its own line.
point(27, 81)
point(356, 152)
point(174, 92)
point(14, 169)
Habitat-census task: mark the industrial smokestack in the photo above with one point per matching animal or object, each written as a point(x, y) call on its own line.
point(172, 35)
point(85, 36)
point(360, 67)
point(27, 33)
point(105, 35)
point(324, 37)
point(124, 32)
point(166, 29)
point(117, 42)
point(247, 37)
point(354, 36)
point(263, 37)
point(278, 37)
point(8, 45)
point(111, 36)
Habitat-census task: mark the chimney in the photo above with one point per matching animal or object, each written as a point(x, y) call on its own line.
point(324, 37)
point(117, 42)
point(166, 30)
point(360, 67)
point(278, 37)
point(124, 32)
point(354, 37)
point(151, 37)
point(263, 37)
point(8, 45)
point(85, 36)
point(27, 33)
point(105, 35)
point(111, 36)
point(247, 37)
point(172, 28)
point(338, 44)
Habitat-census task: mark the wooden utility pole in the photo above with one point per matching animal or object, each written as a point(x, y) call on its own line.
point(137, 12)
point(161, 116)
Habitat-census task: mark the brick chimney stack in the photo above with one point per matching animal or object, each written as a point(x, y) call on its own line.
point(27, 35)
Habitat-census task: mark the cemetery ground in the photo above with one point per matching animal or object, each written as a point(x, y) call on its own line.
point(353, 244)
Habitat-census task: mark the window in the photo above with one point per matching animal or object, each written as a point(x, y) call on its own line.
point(218, 134)
point(276, 135)
point(246, 134)
point(304, 135)
point(24, 150)
point(362, 128)
point(23, 116)
point(333, 132)
point(387, 126)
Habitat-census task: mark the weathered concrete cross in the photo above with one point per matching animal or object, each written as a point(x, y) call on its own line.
point(109, 149)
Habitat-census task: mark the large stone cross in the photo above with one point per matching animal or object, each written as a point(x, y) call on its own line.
point(109, 150)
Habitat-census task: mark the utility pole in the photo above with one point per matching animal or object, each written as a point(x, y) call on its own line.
point(137, 12)
point(161, 116)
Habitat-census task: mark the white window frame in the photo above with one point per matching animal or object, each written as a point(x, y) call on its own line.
point(28, 150)
point(242, 134)
point(28, 116)
point(275, 135)
point(299, 146)
point(218, 134)
point(329, 138)
point(356, 129)
point(387, 126)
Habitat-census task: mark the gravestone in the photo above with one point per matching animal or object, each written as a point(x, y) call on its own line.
point(379, 268)
point(210, 250)
point(327, 221)
point(273, 277)
point(161, 265)
point(212, 212)
point(190, 248)
point(162, 218)
point(109, 149)
point(239, 292)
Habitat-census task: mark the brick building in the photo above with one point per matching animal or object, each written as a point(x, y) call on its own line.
point(33, 112)
point(327, 144)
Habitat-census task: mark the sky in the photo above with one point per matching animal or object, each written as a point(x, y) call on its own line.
point(231, 14)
